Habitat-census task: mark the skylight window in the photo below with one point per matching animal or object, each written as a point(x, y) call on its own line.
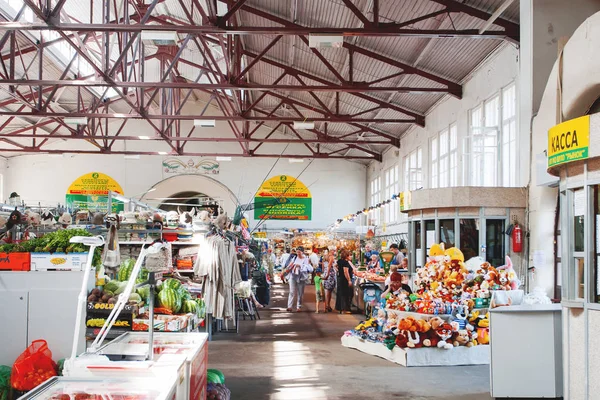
point(61, 51)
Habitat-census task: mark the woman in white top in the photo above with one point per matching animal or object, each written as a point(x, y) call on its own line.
point(298, 270)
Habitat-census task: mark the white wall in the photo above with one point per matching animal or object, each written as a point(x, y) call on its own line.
point(497, 72)
point(581, 86)
point(337, 186)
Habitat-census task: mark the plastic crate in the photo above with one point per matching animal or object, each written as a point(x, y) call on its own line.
point(15, 261)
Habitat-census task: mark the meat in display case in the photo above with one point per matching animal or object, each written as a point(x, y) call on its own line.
point(62, 388)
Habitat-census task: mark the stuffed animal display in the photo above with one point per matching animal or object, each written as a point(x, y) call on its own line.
point(446, 284)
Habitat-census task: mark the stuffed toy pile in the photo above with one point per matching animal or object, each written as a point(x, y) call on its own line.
point(446, 281)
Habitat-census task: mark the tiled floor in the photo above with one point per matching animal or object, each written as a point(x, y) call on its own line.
point(295, 356)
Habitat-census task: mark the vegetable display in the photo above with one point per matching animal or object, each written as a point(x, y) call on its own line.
point(54, 242)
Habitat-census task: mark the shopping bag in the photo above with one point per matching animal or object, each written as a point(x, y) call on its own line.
point(5, 389)
point(33, 367)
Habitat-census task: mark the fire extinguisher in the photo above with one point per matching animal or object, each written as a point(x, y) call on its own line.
point(517, 238)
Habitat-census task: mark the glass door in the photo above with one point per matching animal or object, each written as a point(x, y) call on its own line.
point(495, 241)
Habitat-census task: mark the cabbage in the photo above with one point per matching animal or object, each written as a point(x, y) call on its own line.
point(135, 297)
point(144, 292)
point(111, 286)
point(121, 288)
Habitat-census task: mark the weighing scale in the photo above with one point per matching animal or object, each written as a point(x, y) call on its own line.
point(387, 257)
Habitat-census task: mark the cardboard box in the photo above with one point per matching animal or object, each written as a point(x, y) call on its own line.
point(15, 261)
point(58, 261)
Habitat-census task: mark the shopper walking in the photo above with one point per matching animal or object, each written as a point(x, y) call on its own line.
point(285, 257)
point(298, 270)
point(345, 291)
point(329, 279)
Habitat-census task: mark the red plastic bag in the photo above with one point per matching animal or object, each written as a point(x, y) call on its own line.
point(33, 367)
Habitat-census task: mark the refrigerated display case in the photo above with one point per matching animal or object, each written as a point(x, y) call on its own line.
point(63, 388)
point(185, 354)
point(194, 346)
point(92, 366)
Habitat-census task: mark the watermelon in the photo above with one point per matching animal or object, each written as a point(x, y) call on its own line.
point(201, 308)
point(183, 292)
point(219, 374)
point(189, 306)
point(169, 299)
point(171, 283)
point(125, 270)
point(143, 276)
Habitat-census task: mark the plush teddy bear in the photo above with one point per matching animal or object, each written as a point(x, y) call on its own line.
point(422, 325)
point(436, 322)
point(462, 337)
point(406, 324)
point(503, 280)
point(401, 339)
point(440, 338)
point(510, 274)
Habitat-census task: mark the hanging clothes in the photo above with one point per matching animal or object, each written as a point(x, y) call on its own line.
point(217, 263)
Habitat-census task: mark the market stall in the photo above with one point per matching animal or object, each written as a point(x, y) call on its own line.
point(445, 321)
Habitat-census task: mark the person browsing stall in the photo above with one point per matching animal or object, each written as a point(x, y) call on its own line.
point(396, 282)
point(398, 255)
point(329, 279)
point(369, 252)
point(298, 271)
point(373, 263)
point(345, 291)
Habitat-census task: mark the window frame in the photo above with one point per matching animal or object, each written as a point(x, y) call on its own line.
point(504, 151)
point(413, 172)
point(375, 199)
point(444, 164)
point(391, 187)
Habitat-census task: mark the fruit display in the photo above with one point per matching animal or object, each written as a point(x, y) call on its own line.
point(170, 299)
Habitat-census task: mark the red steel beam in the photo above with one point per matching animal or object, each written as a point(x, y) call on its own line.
point(511, 28)
point(192, 154)
point(163, 84)
point(251, 30)
point(76, 114)
point(419, 118)
point(16, 134)
point(357, 12)
point(453, 88)
point(222, 21)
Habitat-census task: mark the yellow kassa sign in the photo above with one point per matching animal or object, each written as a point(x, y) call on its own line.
point(569, 141)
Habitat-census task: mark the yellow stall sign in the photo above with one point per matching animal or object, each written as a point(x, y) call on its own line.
point(569, 141)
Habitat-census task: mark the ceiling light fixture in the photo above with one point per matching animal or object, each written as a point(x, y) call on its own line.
point(144, 137)
point(162, 153)
point(304, 125)
point(221, 158)
point(318, 40)
point(160, 38)
point(132, 156)
point(296, 160)
point(76, 121)
point(205, 123)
